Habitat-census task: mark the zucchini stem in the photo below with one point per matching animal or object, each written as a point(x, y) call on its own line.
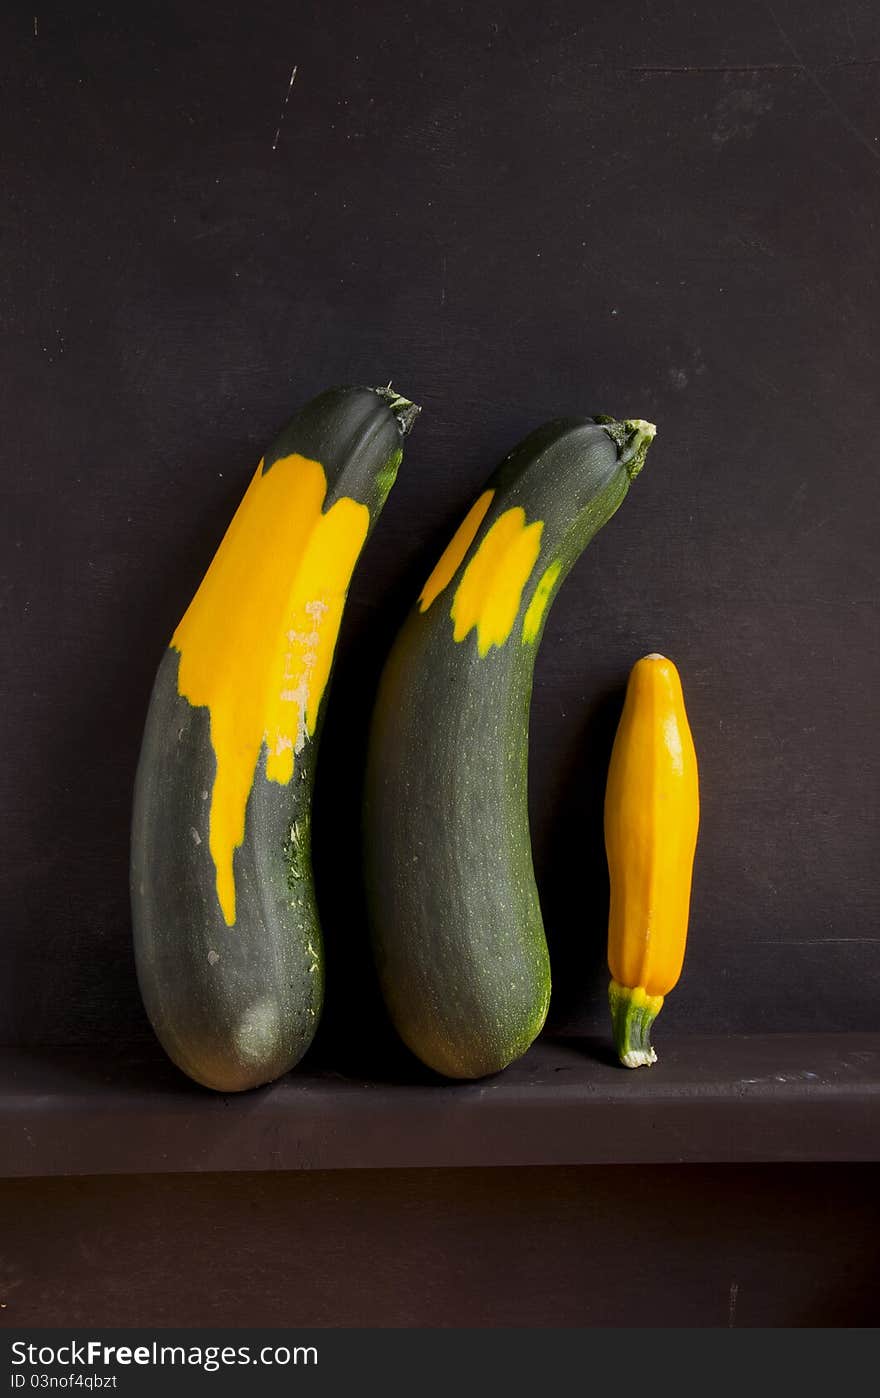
point(632, 1014)
point(405, 411)
point(632, 437)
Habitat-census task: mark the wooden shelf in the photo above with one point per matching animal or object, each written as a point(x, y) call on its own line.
point(758, 1098)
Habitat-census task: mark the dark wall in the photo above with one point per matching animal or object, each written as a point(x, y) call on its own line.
point(516, 212)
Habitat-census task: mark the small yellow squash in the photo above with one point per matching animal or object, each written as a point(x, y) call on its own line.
point(652, 811)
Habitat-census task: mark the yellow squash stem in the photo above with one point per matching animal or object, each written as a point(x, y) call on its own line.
point(651, 820)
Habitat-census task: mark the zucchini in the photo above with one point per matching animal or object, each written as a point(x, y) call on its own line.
point(227, 937)
point(455, 919)
point(652, 811)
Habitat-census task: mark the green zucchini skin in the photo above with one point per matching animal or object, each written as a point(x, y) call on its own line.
point(455, 919)
point(237, 1005)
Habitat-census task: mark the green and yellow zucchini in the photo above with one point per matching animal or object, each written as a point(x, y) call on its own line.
point(454, 912)
point(226, 929)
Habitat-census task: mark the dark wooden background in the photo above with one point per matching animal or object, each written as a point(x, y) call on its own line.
point(516, 211)
point(730, 1247)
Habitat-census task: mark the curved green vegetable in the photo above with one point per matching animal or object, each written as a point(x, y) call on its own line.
point(455, 919)
point(226, 931)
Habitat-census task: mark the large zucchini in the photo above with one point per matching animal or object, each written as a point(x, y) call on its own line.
point(226, 930)
point(454, 912)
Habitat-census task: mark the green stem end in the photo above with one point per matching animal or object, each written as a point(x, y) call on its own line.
point(632, 1014)
point(633, 436)
point(405, 411)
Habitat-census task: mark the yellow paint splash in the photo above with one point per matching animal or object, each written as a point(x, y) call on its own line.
point(453, 554)
point(257, 641)
point(491, 587)
point(540, 599)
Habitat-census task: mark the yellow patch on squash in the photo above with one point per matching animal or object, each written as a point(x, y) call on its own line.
point(453, 555)
point(489, 594)
point(540, 600)
point(257, 641)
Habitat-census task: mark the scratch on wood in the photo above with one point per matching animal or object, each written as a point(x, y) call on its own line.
point(702, 69)
point(816, 941)
point(35, 27)
point(731, 1309)
point(697, 70)
point(284, 107)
